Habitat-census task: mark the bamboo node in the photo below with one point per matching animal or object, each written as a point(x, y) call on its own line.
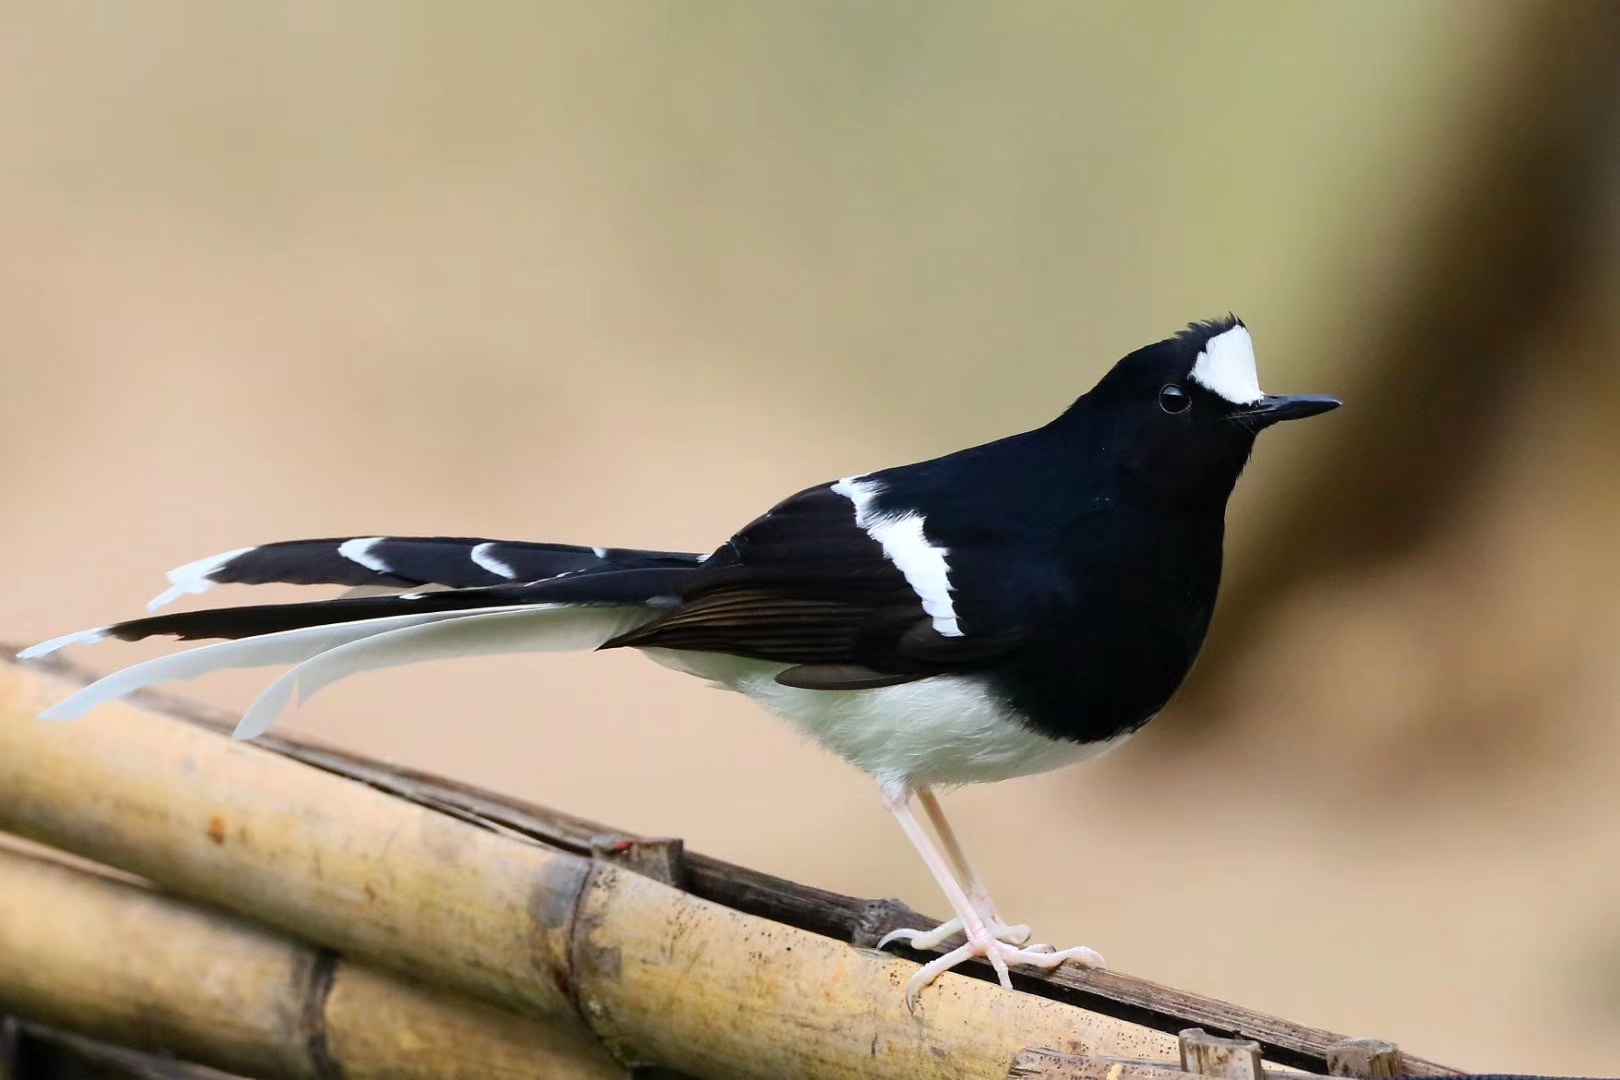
point(1210, 1055)
point(312, 1025)
point(1368, 1059)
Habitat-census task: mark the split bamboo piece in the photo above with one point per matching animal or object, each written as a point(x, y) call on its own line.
point(123, 963)
point(663, 977)
point(34, 1052)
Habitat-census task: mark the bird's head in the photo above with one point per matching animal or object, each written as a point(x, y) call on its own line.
point(1180, 416)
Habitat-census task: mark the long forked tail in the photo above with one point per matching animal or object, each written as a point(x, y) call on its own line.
point(576, 598)
point(457, 562)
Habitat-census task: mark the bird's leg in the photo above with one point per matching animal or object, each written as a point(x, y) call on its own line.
point(977, 894)
point(980, 940)
point(968, 921)
point(964, 874)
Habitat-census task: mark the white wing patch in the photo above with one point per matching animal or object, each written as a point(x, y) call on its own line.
point(1226, 367)
point(904, 544)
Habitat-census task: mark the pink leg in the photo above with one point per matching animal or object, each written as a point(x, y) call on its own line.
point(898, 802)
point(981, 941)
point(977, 894)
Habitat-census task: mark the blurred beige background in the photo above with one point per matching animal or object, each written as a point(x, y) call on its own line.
point(625, 274)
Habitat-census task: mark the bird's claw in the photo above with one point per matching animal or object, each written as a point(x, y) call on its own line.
point(1001, 956)
point(932, 939)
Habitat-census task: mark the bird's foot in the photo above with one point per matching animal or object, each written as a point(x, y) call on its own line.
point(985, 908)
point(1001, 955)
point(939, 935)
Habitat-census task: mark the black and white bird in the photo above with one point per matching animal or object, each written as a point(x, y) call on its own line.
point(997, 612)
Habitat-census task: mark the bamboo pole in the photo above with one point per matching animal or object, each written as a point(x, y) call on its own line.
point(123, 963)
point(861, 922)
point(329, 861)
point(665, 978)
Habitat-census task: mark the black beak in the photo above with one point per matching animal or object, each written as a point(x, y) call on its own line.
point(1275, 408)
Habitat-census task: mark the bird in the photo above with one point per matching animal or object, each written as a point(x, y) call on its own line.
point(1000, 611)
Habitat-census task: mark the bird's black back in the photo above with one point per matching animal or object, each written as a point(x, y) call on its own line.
point(1084, 559)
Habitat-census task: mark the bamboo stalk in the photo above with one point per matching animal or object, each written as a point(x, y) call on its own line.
point(329, 861)
point(123, 963)
point(640, 946)
point(664, 977)
point(861, 922)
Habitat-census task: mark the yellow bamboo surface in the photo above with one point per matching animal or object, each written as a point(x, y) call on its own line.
point(328, 860)
point(661, 976)
point(122, 963)
point(668, 978)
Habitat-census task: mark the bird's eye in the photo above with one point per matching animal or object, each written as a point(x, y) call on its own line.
point(1173, 399)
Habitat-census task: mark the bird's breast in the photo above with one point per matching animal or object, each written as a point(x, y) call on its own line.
point(1107, 659)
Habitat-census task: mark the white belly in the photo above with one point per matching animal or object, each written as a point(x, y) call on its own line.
point(941, 730)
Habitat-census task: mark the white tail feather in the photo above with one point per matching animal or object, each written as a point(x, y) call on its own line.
point(532, 628)
point(192, 578)
point(285, 647)
point(81, 637)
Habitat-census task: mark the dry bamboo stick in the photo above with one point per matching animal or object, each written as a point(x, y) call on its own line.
point(664, 977)
point(40, 1053)
point(123, 963)
point(858, 921)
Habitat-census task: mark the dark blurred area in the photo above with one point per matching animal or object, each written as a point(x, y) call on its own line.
point(626, 274)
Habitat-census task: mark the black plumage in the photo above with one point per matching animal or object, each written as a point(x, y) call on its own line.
point(425, 560)
point(1080, 562)
point(994, 612)
point(608, 588)
point(1084, 559)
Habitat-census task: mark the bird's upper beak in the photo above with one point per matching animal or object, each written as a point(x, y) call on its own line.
point(1274, 408)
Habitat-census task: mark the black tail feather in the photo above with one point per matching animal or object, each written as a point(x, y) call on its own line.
point(645, 585)
point(457, 562)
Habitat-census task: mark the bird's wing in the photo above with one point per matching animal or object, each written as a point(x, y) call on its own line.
point(849, 594)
